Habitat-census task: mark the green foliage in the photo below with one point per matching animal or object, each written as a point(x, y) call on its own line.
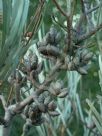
point(97, 119)
point(14, 17)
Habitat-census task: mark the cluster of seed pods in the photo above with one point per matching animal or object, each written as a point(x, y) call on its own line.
point(75, 60)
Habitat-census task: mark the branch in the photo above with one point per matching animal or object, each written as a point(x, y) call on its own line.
point(41, 89)
point(9, 96)
point(7, 120)
point(17, 87)
point(33, 79)
point(88, 35)
point(82, 17)
point(82, 6)
point(69, 25)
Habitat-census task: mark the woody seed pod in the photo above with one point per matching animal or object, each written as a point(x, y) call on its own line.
point(84, 52)
point(64, 93)
point(54, 113)
point(67, 59)
point(38, 121)
point(41, 106)
point(56, 88)
point(53, 31)
point(49, 38)
point(71, 65)
point(51, 35)
point(58, 84)
point(41, 99)
point(34, 61)
point(76, 61)
point(57, 38)
point(32, 115)
point(47, 100)
point(43, 50)
point(53, 51)
point(42, 43)
point(52, 106)
point(88, 56)
point(82, 70)
point(53, 91)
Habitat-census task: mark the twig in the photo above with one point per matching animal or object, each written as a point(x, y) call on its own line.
point(88, 16)
point(64, 27)
point(36, 14)
point(10, 94)
point(82, 6)
point(17, 87)
point(59, 8)
point(93, 9)
point(30, 24)
point(37, 18)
